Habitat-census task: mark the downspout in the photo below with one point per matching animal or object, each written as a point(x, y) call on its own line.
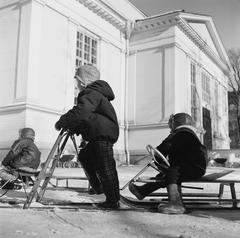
point(129, 27)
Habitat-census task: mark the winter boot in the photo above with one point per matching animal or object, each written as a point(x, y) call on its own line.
point(98, 190)
point(135, 190)
point(175, 205)
point(141, 192)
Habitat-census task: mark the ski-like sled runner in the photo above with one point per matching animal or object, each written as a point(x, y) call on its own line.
point(151, 204)
point(222, 177)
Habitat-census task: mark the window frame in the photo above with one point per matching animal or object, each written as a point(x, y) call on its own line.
point(87, 48)
point(206, 87)
point(194, 108)
point(86, 42)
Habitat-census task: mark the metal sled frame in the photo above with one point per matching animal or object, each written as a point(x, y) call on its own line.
point(29, 176)
point(219, 178)
point(46, 173)
point(153, 163)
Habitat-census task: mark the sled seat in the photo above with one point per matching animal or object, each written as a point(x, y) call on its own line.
point(67, 178)
point(25, 176)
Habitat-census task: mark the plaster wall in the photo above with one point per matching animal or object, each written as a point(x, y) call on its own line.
point(188, 52)
point(151, 80)
point(171, 65)
point(14, 40)
point(38, 65)
point(182, 82)
point(9, 27)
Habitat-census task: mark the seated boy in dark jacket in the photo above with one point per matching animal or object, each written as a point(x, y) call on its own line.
point(23, 153)
point(95, 119)
point(187, 158)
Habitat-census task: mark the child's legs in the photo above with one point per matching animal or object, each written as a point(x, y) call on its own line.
point(87, 160)
point(179, 173)
point(8, 174)
point(148, 188)
point(106, 169)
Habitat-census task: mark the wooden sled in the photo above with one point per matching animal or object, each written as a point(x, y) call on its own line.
point(222, 176)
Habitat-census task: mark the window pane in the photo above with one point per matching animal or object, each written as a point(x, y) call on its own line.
point(206, 87)
point(86, 50)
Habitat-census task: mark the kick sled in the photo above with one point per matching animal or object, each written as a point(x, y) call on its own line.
point(201, 193)
point(46, 174)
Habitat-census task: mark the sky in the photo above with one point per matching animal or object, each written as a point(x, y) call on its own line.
point(225, 14)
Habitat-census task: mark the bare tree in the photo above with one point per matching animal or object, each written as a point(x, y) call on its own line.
point(234, 82)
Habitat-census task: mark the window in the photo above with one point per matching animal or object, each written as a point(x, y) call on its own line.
point(193, 93)
point(86, 49)
point(216, 110)
point(224, 101)
point(86, 53)
point(206, 87)
point(216, 99)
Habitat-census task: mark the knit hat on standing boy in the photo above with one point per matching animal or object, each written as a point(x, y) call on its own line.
point(87, 74)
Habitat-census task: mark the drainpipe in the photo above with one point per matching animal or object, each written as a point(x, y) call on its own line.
point(129, 27)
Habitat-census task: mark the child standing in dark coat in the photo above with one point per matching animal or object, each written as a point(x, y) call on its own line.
point(95, 119)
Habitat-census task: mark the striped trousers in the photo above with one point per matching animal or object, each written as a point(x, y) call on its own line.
point(100, 167)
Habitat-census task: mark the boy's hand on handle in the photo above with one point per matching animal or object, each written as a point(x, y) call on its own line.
point(58, 126)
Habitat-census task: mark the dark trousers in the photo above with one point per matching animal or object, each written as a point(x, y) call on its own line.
point(100, 167)
point(175, 174)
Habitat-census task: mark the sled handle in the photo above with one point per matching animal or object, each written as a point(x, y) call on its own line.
point(152, 151)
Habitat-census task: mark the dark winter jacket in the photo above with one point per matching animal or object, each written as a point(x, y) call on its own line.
point(94, 116)
point(182, 146)
point(23, 153)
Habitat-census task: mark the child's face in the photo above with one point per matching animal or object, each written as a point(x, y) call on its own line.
point(79, 86)
point(20, 133)
point(171, 123)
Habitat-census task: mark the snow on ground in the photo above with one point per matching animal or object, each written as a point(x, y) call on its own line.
point(41, 221)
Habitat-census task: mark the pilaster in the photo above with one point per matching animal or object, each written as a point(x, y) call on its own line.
point(22, 56)
point(34, 54)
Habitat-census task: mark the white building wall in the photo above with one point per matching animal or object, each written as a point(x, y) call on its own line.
point(169, 97)
point(162, 57)
point(150, 78)
point(191, 53)
point(182, 82)
point(150, 88)
point(8, 17)
point(38, 66)
point(14, 40)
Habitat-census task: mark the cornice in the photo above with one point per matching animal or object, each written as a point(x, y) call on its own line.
point(23, 106)
point(148, 126)
point(106, 12)
point(156, 23)
point(191, 33)
point(153, 23)
point(41, 2)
